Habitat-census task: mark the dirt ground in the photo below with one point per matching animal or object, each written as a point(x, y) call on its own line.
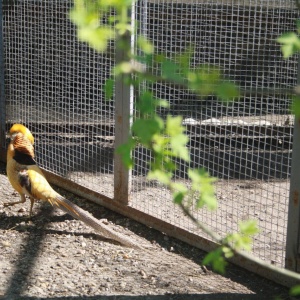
point(56, 257)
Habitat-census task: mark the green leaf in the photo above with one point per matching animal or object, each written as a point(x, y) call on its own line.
point(290, 44)
point(145, 59)
point(184, 59)
point(228, 253)
point(109, 88)
point(97, 37)
point(146, 103)
point(179, 191)
point(297, 23)
point(216, 259)
point(159, 143)
point(85, 14)
point(243, 239)
point(295, 109)
point(145, 45)
point(178, 197)
point(178, 144)
point(288, 38)
point(161, 176)
point(146, 129)
point(227, 91)
point(243, 242)
point(123, 68)
point(178, 140)
point(125, 151)
point(203, 183)
point(288, 50)
point(123, 28)
point(168, 164)
point(171, 71)
point(159, 58)
point(116, 3)
point(174, 125)
point(204, 79)
point(295, 290)
point(248, 227)
point(162, 103)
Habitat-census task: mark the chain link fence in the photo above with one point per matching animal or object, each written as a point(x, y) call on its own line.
point(54, 84)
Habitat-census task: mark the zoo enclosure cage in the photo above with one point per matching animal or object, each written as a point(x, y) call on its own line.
point(54, 84)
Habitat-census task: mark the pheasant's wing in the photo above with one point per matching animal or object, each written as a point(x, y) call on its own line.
point(23, 150)
point(35, 185)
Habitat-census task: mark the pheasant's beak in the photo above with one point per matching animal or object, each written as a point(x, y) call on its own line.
point(7, 139)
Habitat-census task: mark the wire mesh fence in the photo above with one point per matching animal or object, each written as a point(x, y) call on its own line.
point(247, 143)
point(54, 84)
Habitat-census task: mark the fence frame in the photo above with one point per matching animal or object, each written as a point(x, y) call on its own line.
point(292, 254)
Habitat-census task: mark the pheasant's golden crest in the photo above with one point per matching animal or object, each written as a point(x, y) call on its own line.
point(19, 128)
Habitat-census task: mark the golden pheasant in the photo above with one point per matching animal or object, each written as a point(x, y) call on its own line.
point(28, 180)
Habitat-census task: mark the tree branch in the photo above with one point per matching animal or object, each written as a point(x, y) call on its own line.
point(289, 276)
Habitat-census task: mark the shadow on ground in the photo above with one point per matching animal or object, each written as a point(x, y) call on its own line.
point(215, 296)
point(32, 246)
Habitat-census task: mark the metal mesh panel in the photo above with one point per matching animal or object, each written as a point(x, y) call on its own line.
point(54, 85)
point(247, 143)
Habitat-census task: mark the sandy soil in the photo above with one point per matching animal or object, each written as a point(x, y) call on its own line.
point(56, 257)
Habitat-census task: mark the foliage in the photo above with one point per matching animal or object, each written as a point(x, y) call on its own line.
point(290, 45)
point(295, 290)
point(241, 240)
point(290, 42)
point(100, 22)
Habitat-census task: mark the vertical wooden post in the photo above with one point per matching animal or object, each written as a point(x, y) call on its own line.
point(292, 258)
point(123, 115)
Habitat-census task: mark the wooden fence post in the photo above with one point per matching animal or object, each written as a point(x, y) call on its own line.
point(292, 256)
point(123, 115)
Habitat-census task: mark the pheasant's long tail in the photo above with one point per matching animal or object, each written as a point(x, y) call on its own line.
point(84, 216)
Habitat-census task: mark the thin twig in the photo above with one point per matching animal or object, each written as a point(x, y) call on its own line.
point(184, 84)
point(202, 226)
point(290, 275)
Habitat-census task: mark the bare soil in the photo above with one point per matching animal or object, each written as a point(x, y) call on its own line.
point(56, 257)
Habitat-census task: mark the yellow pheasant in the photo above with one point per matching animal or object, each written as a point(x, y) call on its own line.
point(28, 180)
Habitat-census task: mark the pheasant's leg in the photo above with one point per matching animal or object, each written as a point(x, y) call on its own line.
point(31, 206)
point(23, 199)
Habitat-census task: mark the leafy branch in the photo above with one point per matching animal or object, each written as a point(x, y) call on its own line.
point(99, 23)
